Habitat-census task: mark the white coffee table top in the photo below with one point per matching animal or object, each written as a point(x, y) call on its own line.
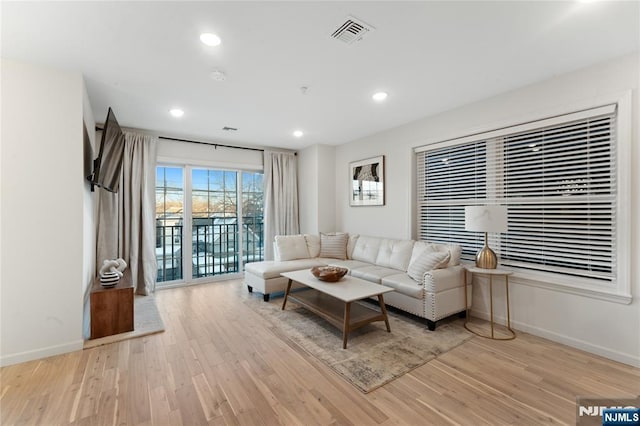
point(348, 289)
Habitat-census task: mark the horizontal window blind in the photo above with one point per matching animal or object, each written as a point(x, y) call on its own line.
point(558, 181)
point(449, 179)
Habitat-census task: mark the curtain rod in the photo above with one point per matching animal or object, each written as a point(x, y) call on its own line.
point(216, 145)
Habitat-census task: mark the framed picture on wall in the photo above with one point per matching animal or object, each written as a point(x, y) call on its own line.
point(367, 182)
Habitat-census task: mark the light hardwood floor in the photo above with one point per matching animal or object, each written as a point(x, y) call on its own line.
point(218, 362)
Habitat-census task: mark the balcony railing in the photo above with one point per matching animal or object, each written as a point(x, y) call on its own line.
point(169, 252)
point(214, 249)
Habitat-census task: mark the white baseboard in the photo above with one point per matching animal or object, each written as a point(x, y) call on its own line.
point(41, 353)
point(629, 359)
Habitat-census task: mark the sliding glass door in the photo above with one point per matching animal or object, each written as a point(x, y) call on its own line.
point(169, 220)
point(252, 215)
point(214, 222)
point(225, 211)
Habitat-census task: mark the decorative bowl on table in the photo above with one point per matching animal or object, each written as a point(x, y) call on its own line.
point(329, 274)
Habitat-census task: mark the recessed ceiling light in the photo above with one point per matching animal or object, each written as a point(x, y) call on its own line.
point(380, 96)
point(210, 39)
point(298, 133)
point(176, 112)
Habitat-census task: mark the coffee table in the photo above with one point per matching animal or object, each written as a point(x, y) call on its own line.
point(334, 301)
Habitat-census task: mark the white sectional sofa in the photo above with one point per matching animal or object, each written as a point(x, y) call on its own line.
point(427, 278)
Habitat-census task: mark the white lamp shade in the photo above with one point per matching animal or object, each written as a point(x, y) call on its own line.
point(485, 218)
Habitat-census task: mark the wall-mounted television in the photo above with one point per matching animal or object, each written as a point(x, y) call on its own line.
point(107, 167)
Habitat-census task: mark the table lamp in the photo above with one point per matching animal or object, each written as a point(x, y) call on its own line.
point(486, 219)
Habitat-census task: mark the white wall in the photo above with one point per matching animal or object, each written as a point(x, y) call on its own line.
point(308, 190)
point(607, 328)
point(89, 211)
point(326, 189)
point(41, 280)
point(88, 198)
point(316, 184)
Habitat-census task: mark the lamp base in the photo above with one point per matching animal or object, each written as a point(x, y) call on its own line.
point(486, 259)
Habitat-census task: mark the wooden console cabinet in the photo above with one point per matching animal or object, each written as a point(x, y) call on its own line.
point(112, 308)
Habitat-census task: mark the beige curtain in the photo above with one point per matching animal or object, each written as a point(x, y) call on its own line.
point(126, 220)
point(280, 197)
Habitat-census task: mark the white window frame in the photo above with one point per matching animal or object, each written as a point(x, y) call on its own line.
point(620, 290)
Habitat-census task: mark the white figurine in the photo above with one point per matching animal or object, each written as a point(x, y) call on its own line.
point(122, 265)
point(116, 266)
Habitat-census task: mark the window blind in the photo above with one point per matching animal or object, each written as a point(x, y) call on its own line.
point(558, 181)
point(449, 179)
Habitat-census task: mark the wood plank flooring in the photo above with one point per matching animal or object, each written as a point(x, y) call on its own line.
point(220, 363)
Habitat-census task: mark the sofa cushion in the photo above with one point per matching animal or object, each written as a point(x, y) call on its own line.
point(291, 247)
point(427, 261)
point(373, 273)
point(351, 245)
point(395, 254)
point(366, 249)
point(404, 284)
point(313, 244)
point(272, 269)
point(334, 245)
point(349, 264)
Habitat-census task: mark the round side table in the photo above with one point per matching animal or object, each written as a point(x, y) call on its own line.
point(490, 273)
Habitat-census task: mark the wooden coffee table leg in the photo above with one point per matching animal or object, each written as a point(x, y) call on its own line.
point(383, 308)
point(345, 326)
point(286, 294)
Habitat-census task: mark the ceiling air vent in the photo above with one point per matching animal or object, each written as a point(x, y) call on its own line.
point(352, 30)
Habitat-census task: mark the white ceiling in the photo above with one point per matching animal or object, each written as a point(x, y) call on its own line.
point(143, 58)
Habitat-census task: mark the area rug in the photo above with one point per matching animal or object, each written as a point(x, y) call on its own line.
point(373, 357)
point(146, 320)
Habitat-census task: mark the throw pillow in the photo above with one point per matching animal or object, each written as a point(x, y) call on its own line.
point(292, 247)
point(456, 252)
point(420, 247)
point(313, 244)
point(334, 245)
point(454, 249)
point(427, 261)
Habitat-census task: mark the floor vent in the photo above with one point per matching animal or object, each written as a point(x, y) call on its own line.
point(352, 30)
